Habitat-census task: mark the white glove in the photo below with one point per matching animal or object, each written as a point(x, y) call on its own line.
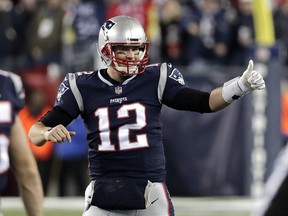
point(251, 79)
point(239, 86)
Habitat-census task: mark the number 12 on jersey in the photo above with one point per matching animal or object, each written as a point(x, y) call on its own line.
point(124, 130)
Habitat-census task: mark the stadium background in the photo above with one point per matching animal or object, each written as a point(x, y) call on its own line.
point(206, 172)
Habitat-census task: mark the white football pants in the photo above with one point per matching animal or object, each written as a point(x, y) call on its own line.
point(158, 203)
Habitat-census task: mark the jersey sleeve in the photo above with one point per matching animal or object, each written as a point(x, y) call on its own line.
point(65, 98)
point(172, 81)
point(16, 91)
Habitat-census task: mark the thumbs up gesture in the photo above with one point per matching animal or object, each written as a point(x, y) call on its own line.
point(251, 79)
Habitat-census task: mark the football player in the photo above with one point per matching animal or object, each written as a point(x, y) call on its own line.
point(121, 105)
point(15, 151)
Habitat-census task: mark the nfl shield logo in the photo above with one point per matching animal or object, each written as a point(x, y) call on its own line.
point(118, 90)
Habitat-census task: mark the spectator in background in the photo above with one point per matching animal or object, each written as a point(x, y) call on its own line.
point(36, 106)
point(243, 36)
point(171, 15)
point(284, 115)
point(72, 157)
point(281, 26)
point(15, 152)
point(44, 33)
point(13, 22)
point(80, 27)
point(190, 31)
point(210, 35)
point(44, 45)
point(146, 11)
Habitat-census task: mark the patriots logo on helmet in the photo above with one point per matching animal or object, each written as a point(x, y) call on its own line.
point(106, 27)
point(61, 91)
point(177, 76)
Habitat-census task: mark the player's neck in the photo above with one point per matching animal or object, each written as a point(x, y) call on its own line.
point(115, 75)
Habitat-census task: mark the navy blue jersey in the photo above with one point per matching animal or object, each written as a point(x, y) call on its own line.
point(11, 101)
point(122, 119)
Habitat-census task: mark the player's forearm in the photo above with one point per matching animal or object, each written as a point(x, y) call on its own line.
point(36, 134)
point(216, 100)
point(30, 188)
point(25, 170)
point(31, 193)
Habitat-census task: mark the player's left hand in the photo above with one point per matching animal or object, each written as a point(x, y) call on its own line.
point(251, 79)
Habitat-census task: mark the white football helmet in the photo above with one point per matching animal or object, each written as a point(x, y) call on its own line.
point(123, 30)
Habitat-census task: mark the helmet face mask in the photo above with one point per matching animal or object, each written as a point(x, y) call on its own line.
point(123, 31)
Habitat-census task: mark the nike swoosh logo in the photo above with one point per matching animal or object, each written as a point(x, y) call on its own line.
point(154, 201)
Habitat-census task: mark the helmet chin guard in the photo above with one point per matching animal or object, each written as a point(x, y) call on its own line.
point(125, 31)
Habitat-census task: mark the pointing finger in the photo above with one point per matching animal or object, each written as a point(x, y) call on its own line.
point(69, 134)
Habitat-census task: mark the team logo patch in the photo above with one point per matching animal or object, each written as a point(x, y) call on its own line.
point(177, 76)
point(106, 27)
point(118, 90)
point(118, 100)
point(62, 89)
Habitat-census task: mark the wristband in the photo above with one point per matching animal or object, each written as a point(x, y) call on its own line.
point(231, 90)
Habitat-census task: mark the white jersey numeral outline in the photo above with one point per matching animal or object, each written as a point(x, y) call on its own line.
point(5, 117)
point(124, 130)
point(4, 157)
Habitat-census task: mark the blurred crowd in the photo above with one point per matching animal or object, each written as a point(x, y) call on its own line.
point(56, 37)
point(43, 40)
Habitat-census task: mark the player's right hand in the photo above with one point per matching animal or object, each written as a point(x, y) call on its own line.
point(58, 134)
